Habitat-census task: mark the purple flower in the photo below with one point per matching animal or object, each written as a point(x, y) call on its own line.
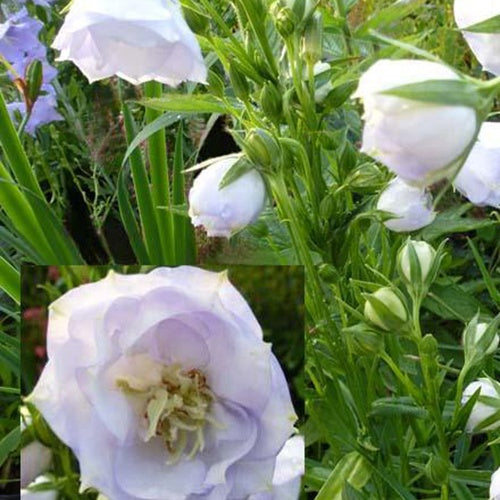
point(20, 46)
point(44, 111)
point(164, 388)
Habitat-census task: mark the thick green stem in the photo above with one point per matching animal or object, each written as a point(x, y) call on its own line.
point(142, 190)
point(160, 183)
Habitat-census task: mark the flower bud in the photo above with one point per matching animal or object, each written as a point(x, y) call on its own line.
point(271, 101)
point(437, 469)
point(285, 20)
point(35, 457)
point(486, 46)
point(385, 309)
point(34, 80)
point(262, 148)
point(27, 494)
point(495, 485)
point(239, 82)
point(412, 138)
point(222, 212)
point(428, 350)
point(483, 410)
point(411, 206)
point(362, 340)
point(415, 260)
point(312, 43)
point(472, 336)
point(479, 178)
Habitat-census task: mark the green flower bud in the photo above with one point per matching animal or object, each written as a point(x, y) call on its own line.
point(198, 23)
point(480, 339)
point(437, 469)
point(328, 273)
point(271, 101)
point(362, 340)
point(415, 261)
point(429, 354)
point(312, 43)
point(262, 148)
point(239, 82)
point(34, 80)
point(285, 21)
point(385, 309)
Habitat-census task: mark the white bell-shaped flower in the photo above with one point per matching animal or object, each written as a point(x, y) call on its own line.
point(412, 138)
point(222, 212)
point(479, 178)
point(411, 206)
point(137, 41)
point(486, 46)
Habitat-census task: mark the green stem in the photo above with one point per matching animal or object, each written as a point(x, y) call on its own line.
point(316, 303)
point(160, 183)
point(142, 190)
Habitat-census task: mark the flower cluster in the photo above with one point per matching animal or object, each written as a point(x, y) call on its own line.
point(20, 47)
point(411, 136)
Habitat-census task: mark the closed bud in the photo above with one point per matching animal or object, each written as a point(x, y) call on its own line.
point(328, 273)
point(415, 260)
point(385, 309)
point(429, 353)
point(196, 21)
point(34, 80)
point(437, 469)
point(312, 43)
point(225, 211)
point(262, 148)
point(483, 410)
point(480, 339)
point(271, 101)
point(362, 340)
point(239, 82)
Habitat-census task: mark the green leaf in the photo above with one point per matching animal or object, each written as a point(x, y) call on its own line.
point(9, 443)
point(353, 469)
point(130, 222)
point(397, 407)
point(491, 25)
point(443, 92)
point(142, 189)
point(10, 280)
point(461, 491)
point(451, 221)
point(163, 121)
point(490, 285)
point(450, 301)
point(240, 167)
point(181, 103)
point(389, 15)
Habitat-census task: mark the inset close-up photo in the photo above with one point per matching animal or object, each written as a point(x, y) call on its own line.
point(245, 229)
point(162, 383)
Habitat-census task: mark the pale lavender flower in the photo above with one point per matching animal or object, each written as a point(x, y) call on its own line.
point(163, 387)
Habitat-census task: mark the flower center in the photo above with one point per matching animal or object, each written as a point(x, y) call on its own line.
point(176, 409)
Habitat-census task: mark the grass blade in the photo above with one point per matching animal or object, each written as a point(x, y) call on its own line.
point(10, 280)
